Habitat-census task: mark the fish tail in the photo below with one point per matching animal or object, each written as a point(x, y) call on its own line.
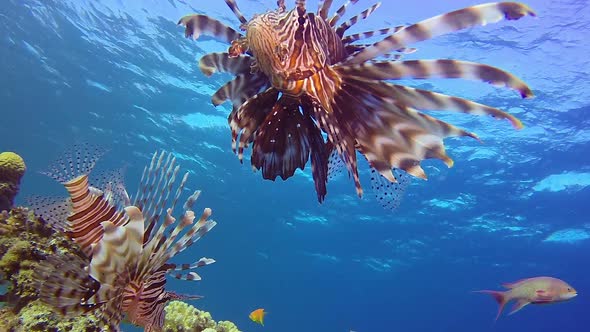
point(500, 297)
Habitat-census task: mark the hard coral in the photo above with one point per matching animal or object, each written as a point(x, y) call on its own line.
point(12, 169)
point(37, 316)
point(24, 242)
point(183, 317)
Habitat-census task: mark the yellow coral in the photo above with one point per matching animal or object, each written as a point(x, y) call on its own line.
point(183, 317)
point(12, 167)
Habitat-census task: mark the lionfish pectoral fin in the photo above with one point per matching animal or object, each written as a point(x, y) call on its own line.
point(427, 69)
point(196, 24)
point(223, 63)
point(443, 24)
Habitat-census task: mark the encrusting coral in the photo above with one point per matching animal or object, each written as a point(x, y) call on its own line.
point(24, 241)
point(12, 169)
point(183, 317)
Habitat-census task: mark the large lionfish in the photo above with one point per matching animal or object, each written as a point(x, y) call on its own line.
point(298, 75)
point(125, 249)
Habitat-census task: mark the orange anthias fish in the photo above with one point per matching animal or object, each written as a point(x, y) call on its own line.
point(257, 316)
point(538, 290)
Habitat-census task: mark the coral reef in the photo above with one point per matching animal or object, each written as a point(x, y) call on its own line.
point(37, 316)
point(183, 317)
point(12, 169)
point(24, 241)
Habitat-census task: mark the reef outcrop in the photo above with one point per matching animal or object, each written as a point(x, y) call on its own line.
point(12, 169)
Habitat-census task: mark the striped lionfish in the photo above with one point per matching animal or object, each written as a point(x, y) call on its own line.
point(298, 75)
point(125, 250)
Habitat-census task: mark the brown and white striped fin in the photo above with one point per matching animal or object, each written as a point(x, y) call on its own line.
point(391, 134)
point(338, 15)
point(162, 252)
point(354, 20)
point(156, 186)
point(112, 185)
point(223, 63)
point(324, 8)
point(241, 88)
point(197, 24)
point(88, 212)
point(64, 283)
point(245, 120)
point(118, 251)
point(203, 261)
point(432, 101)
point(234, 8)
point(368, 34)
point(340, 134)
point(442, 24)
point(426, 69)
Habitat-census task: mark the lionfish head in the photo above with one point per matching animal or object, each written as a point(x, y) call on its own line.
point(282, 43)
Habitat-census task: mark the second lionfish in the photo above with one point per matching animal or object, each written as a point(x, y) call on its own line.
point(126, 245)
point(298, 75)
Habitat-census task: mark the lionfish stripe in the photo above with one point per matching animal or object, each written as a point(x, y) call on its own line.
point(197, 24)
point(368, 34)
point(428, 100)
point(222, 62)
point(425, 69)
point(88, 211)
point(363, 15)
point(234, 8)
point(442, 24)
point(338, 15)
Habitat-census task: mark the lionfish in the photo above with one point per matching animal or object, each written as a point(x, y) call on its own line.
point(125, 250)
point(299, 76)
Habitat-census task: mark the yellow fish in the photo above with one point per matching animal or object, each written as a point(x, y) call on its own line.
point(257, 316)
point(538, 290)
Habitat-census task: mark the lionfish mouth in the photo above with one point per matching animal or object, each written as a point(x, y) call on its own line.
point(299, 76)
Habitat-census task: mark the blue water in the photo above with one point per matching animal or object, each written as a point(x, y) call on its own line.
point(121, 74)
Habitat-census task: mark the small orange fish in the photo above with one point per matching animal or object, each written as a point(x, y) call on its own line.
point(257, 316)
point(538, 290)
